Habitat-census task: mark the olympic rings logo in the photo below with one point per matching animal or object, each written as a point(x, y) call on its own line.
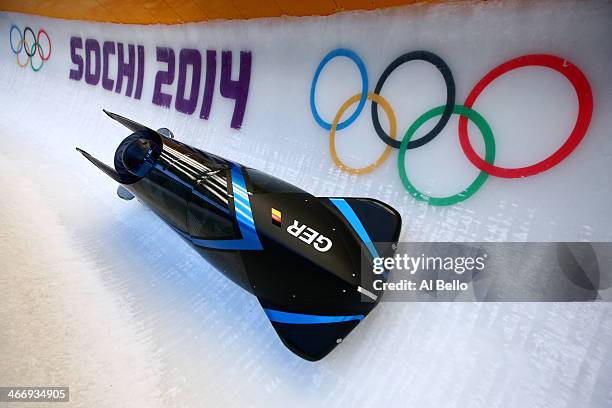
point(486, 165)
point(30, 48)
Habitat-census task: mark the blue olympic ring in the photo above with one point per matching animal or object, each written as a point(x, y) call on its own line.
point(340, 52)
point(11, 39)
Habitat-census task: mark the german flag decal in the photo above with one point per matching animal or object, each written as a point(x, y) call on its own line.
point(276, 217)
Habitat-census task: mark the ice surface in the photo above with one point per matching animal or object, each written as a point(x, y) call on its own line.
point(100, 295)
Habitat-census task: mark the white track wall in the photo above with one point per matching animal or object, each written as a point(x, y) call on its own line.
point(178, 331)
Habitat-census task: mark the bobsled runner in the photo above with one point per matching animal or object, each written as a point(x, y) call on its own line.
point(300, 255)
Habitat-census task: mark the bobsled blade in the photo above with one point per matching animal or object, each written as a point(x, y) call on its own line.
point(124, 193)
point(112, 173)
point(166, 132)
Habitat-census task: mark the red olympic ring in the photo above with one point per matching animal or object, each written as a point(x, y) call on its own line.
point(585, 111)
point(41, 31)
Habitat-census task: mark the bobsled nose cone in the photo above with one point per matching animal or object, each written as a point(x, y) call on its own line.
point(137, 156)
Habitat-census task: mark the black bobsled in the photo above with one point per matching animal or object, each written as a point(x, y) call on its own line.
point(300, 255)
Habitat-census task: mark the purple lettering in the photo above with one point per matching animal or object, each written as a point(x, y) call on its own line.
point(237, 90)
point(92, 45)
point(164, 77)
point(125, 69)
point(140, 72)
point(76, 43)
point(209, 84)
point(107, 48)
point(188, 57)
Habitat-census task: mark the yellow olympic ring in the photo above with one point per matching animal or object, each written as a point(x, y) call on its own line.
point(25, 44)
point(392, 133)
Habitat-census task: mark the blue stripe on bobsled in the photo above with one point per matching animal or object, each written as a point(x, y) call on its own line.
point(244, 217)
point(352, 218)
point(299, 318)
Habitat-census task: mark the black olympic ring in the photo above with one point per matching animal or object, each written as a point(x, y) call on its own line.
point(448, 107)
point(33, 41)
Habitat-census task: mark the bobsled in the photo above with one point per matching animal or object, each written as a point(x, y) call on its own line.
point(305, 258)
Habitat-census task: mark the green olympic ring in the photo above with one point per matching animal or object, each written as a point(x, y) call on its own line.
point(487, 134)
point(34, 47)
